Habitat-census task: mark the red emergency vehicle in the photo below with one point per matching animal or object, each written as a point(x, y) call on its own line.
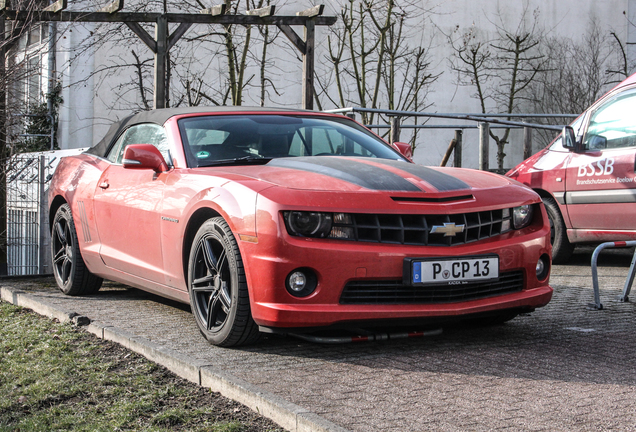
point(587, 177)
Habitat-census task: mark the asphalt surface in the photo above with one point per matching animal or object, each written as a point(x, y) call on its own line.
point(563, 367)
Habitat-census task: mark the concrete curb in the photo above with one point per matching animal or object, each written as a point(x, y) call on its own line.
point(288, 415)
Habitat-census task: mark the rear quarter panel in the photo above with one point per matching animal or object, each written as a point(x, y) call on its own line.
point(74, 182)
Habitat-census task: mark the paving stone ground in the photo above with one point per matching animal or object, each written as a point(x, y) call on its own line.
point(563, 367)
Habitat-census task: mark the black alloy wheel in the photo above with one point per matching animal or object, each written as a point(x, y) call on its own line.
point(218, 289)
point(69, 269)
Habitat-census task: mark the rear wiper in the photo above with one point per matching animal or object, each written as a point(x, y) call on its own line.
point(244, 160)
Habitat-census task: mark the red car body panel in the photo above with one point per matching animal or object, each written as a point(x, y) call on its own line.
point(594, 189)
point(133, 227)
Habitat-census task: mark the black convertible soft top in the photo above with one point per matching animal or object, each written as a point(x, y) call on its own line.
point(160, 116)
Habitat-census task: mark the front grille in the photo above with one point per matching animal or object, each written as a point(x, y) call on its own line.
point(394, 292)
point(412, 229)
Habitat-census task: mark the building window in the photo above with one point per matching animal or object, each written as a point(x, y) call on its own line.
point(34, 80)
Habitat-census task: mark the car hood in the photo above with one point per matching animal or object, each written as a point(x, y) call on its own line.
point(348, 174)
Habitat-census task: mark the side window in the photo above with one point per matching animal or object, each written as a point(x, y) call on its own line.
point(141, 134)
point(116, 153)
point(613, 124)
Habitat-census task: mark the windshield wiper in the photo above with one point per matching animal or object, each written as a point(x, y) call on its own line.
point(244, 160)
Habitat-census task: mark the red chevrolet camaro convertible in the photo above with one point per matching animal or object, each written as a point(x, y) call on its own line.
point(272, 220)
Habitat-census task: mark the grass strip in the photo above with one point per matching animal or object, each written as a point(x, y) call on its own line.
point(56, 377)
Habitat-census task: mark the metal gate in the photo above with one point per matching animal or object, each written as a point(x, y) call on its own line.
point(28, 237)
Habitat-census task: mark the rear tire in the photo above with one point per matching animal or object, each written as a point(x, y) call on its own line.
point(561, 247)
point(69, 269)
point(218, 288)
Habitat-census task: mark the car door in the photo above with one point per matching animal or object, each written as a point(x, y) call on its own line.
point(600, 180)
point(128, 205)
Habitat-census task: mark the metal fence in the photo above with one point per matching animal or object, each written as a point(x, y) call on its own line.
point(483, 122)
point(26, 214)
point(28, 237)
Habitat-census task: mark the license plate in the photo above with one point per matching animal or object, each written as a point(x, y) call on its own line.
point(453, 271)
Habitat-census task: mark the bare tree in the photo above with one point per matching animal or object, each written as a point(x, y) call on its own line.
point(577, 73)
point(195, 73)
point(500, 68)
point(20, 87)
point(373, 60)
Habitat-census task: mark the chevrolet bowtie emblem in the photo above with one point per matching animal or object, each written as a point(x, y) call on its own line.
point(449, 229)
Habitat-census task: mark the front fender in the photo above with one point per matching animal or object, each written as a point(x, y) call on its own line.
point(192, 199)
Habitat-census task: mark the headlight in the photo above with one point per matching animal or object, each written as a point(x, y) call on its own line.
point(521, 216)
point(308, 224)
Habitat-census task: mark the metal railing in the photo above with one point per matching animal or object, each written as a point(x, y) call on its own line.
point(27, 233)
point(28, 237)
point(624, 297)
point(484, 122)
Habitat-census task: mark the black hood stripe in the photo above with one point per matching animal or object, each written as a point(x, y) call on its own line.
point(440, 181)
point(349, 170)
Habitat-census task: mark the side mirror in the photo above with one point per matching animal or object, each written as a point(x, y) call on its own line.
point(568, 139)
point(404, 149)
point(144, 156)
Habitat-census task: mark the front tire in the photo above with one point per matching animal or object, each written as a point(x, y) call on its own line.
point(561, 247)
point(69, 269)
point(218, 288)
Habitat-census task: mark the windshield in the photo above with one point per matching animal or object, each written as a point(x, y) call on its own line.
point(240, 139)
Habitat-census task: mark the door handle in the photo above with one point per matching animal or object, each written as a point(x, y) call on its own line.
point(104, 185)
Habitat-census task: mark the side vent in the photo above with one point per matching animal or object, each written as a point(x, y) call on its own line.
point(84, 223)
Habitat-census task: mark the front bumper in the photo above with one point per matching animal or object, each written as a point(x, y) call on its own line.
point(336, 263)
point(323, 315)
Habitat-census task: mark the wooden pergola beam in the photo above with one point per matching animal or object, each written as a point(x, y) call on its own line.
point(56, 7)
point(214, 10)
point(312, 12)
point(113, 7)
point(143, 35)
point(161, 43)
point(262, 12)
point(152, 17)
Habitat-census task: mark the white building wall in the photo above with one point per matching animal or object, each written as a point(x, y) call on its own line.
point(88, 107)
point(568, 19)
point(75, 127)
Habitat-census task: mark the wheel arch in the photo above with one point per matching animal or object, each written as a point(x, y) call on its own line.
point(562, 208)
point(56, 203)
point(194, 223)
point(543, 193)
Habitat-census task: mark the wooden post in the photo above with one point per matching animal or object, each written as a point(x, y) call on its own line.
point(527, 142)
point(161, 38)
point(43, 244)
point(457, 160)
point(308, 65)
point(395, 129)
point(4, 153)
point(484, 138)
point(449, 150)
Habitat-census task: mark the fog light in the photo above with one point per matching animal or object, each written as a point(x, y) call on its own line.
point(298, 281)
point(301, 282)
point(543, 267)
